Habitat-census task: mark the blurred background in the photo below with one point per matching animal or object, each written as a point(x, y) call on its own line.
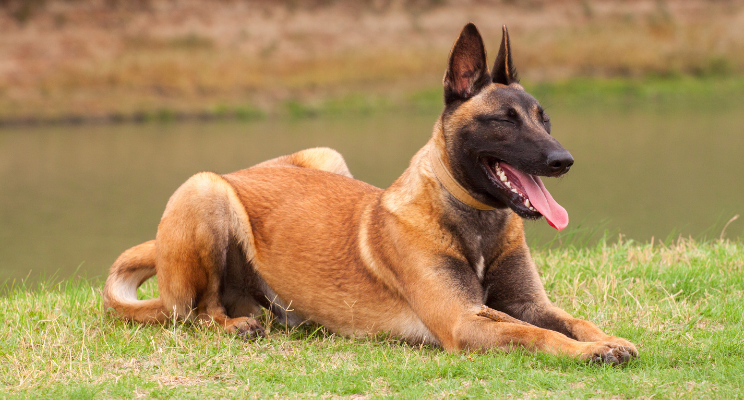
point(107, 106)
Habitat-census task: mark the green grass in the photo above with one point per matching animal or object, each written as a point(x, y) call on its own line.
point(681, 303)
point(652, 92)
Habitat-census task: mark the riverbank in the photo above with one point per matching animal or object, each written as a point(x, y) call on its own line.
point(612, 93)
point(681, 303)
point(102, 60)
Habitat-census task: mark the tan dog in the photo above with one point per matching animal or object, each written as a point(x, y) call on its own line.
point(438, 257)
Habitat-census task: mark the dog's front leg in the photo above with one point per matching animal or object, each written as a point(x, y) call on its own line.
point(448, 299)
point(548, 316)
point(514, 287)
point(482, 332)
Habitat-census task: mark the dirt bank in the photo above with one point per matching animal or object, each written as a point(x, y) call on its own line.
point(117, 57)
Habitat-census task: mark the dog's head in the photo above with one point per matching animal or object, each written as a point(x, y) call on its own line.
point(497, 135)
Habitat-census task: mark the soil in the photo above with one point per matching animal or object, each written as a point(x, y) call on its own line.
point(115, 57)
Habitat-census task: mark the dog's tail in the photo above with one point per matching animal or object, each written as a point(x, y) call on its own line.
point(129, 271)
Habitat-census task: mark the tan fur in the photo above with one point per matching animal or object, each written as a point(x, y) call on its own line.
point(299, 236)
point(336, 251)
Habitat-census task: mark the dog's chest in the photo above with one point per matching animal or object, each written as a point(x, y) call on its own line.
point(477, 257)
point(477, 238)
point(480, 266)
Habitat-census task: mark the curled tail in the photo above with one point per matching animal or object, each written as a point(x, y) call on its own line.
point(129, 271)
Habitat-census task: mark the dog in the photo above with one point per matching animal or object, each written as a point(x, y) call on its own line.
point(439, 257)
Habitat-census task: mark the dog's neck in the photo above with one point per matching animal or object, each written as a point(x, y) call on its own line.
point(440, 164)
point(444, 176)
point(429, 172)
point(419, 193)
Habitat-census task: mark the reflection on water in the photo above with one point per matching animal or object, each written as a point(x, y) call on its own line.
point(77, 196)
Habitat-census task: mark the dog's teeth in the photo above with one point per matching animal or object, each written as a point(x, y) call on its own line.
point(515, 191)
point(502, 177)
point(507, 184)
point(532, 208)
point(527, 203)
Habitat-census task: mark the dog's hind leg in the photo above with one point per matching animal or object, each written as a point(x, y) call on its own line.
point(321, 158)
point(202, 225)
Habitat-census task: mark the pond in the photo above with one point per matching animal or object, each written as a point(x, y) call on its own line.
point(72, 198)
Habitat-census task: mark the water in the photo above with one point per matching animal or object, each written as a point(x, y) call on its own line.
point(72, 198)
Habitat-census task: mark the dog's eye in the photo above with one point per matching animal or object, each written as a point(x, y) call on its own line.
point(502, 119)
point(546, 122)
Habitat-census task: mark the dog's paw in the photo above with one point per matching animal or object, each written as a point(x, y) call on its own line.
point(630, 347)
point(609, 352)
point(245, 327)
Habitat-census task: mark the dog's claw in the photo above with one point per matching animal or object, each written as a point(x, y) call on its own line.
point(251, 331)
point(610, 358)
point(614, 355)
point(246, 328)
point(625, 355)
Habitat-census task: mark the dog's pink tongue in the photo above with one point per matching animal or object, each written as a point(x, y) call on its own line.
point(540, 198)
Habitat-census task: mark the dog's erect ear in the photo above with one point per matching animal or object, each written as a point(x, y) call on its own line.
point(467, 72)
point(503, 69)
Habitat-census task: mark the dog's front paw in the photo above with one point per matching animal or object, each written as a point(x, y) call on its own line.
point(609, 352)
point(624, 343)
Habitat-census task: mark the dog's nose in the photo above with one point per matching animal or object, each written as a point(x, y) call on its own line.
point(559, 162)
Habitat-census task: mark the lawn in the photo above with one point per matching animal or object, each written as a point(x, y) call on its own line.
point(681, 303)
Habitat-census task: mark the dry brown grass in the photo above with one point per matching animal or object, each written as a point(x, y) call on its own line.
point(95, 57)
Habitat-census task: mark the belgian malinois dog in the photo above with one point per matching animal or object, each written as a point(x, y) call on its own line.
point(438, 257)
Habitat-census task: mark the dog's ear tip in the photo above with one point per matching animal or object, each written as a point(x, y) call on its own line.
point(470, 29)
point(504, 71)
